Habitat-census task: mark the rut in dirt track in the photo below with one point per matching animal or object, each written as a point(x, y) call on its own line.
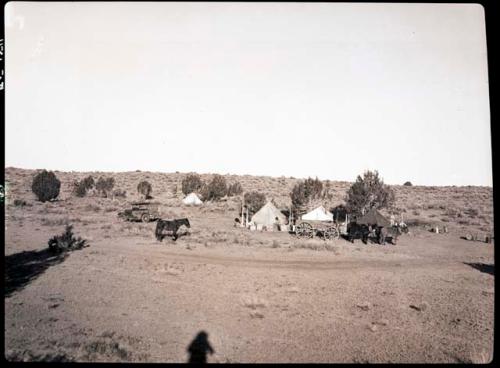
point(332, 264)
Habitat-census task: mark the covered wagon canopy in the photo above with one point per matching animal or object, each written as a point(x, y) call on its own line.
point(373, 217)
point(318, 214)
point(266, 216)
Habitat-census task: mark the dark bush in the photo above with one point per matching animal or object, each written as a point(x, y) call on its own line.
point(303, 192)
point(19, 203)
point(298, 197)
point(66, 241)
point(408, 184)
point(105, 185)
point(120, 193)
point(88, 182)
point(216, 189)
point(145, 188)
point(234, 189)
point(80, 188)
point(46, 186)
point(254, 201)
point(368, 192)
point(191, 183)
point(313, 188)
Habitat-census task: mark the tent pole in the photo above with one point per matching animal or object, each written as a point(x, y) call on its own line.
point(242, 215)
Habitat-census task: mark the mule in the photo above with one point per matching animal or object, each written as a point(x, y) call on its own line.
point(357, 231)
point(392, 232)
point(170, 225)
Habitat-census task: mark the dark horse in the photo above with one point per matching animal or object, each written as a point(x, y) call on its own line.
point(392, 232)
point(170, 225)
point(357, 231)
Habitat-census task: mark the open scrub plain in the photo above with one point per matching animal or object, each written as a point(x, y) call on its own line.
point(261, 297)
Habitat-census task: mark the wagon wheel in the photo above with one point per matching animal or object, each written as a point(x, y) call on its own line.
point(298, 230)
point(332, 233)
point(307, 230)
point(145, 217)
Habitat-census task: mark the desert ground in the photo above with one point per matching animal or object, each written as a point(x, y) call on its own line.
point(261, 297)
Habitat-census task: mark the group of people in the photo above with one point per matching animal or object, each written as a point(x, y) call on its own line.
point(250, 224)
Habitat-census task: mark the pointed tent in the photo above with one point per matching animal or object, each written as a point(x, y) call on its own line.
point(266, 216)
point(373, 217)
point(192, 198)
point(318, 214)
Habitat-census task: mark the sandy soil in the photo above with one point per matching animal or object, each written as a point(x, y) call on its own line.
point(261, 297)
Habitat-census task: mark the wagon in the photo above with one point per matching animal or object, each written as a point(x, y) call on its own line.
point(141, 211)
point(326, 230)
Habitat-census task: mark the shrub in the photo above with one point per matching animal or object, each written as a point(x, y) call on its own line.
point(145, 188)
point(408, 184)
point(453, 213)
point(19, 203)
point(313, 188)
point(234, 189)
point(191, 183)
point(80, 188)
point(216, 189)
point(298, 197)
point(105, 185)
point(368, 192)
point(471, 212)
point(254, 201)
point(120, 193)
point(305, 191)
point(66, 241)
point(46, 186)
point(88, 182)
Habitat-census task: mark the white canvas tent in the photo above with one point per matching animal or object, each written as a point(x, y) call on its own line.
point(266, 216)
point(318, 214)
point(192, 198)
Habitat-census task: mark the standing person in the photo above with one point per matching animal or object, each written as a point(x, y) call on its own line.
point(277, 226)
point(393, 219)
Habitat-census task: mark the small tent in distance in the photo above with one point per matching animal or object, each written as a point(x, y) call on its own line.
point(318, 214)
point(266, 217)
point(192, 199)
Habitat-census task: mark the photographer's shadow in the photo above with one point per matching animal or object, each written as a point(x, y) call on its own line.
point(199, 348)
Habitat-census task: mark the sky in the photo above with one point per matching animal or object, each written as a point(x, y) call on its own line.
point(325, 90)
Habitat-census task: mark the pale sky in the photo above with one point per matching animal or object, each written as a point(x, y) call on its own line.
point(294, 89)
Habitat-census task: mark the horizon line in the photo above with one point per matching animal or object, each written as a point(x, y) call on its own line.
point(254, 175)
